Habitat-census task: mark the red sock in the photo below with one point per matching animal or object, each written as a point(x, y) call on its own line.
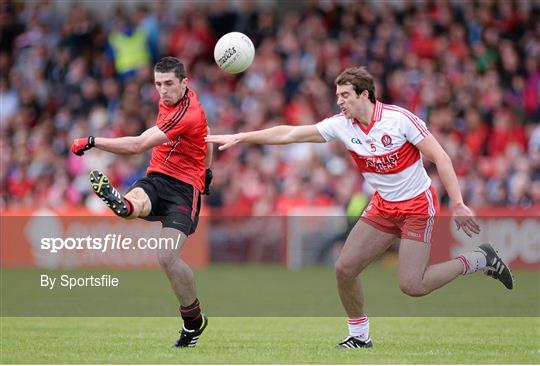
point(129, 207)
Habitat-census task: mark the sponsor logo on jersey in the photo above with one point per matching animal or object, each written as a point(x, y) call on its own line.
point(386, 141)
point(383, 164)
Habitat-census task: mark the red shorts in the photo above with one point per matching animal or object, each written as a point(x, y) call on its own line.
point(411, 219)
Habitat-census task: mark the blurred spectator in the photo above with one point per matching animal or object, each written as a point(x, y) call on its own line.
point(506, 135)
point(10, 100)
point(149, 24)
point(129, 47)
point(470, 69)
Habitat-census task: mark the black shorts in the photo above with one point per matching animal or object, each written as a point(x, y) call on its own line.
point(175, 203)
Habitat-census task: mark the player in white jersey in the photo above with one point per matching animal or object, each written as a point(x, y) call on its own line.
point(386, 141)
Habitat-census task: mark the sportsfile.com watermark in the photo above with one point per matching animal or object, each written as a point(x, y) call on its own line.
point(109, 242)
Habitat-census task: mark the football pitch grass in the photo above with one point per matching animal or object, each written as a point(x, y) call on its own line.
point(266, 315)
point(239, 340)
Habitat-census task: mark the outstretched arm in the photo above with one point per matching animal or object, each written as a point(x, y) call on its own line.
point(132, 144)
point(463, 215)
point(278, 135)
point(122, 145)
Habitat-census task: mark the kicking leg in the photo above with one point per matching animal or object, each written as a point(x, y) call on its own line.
point(135, 204)
point(140, 203)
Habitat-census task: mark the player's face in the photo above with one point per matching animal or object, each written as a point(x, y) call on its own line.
point(350, 103)
point(169, 87)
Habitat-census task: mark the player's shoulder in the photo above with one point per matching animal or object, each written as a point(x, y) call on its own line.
point(393, 109)
point(191, 94)
point(398, 113)
point(336, 119)
point(193, 100)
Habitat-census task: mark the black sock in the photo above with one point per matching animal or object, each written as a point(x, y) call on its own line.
point(192, 315)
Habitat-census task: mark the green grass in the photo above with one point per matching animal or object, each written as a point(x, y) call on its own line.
point(269, 341)
point(259, 291)
point(287, 317)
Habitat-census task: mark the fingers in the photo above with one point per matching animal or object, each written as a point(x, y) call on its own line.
point(472, 225)
point(216, 139)
point(227, 145)
point(75, 149)
point(461, 223)
point(468, 224)
point(225, 141)
point(467, 231)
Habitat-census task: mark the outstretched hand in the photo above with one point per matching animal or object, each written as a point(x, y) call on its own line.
point(80, 145)
point(225, 141)
point(464, 218)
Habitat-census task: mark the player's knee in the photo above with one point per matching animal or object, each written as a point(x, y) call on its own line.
point(135, 194)
point(345, 272)
point(140, 201)
point(167, 258)
point(412, 288)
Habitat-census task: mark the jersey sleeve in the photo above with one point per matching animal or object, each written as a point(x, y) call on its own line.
point(327, 128)
point(415, 129)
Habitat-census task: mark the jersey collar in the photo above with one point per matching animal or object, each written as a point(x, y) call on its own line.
point(377, 114)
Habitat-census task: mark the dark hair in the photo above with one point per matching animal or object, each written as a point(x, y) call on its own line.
point(360, 79)
point(171, 64)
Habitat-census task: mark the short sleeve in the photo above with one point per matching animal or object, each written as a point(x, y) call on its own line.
point(415, 129)
point(327, 128)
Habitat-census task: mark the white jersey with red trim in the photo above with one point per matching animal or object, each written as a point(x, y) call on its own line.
point(385, 151)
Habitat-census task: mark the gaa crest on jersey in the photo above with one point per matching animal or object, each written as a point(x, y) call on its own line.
point(386, 140)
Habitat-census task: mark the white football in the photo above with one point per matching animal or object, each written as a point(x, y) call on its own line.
point(234, 52)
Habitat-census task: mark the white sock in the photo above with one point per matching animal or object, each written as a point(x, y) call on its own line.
point(359, 328)
point(472, 261)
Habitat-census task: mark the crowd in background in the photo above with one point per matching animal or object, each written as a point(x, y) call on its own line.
point(470, 69)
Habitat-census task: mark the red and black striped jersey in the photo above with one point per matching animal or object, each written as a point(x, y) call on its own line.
point(182, 157)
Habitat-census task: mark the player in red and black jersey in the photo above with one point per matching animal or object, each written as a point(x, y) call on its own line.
point(177, 175)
